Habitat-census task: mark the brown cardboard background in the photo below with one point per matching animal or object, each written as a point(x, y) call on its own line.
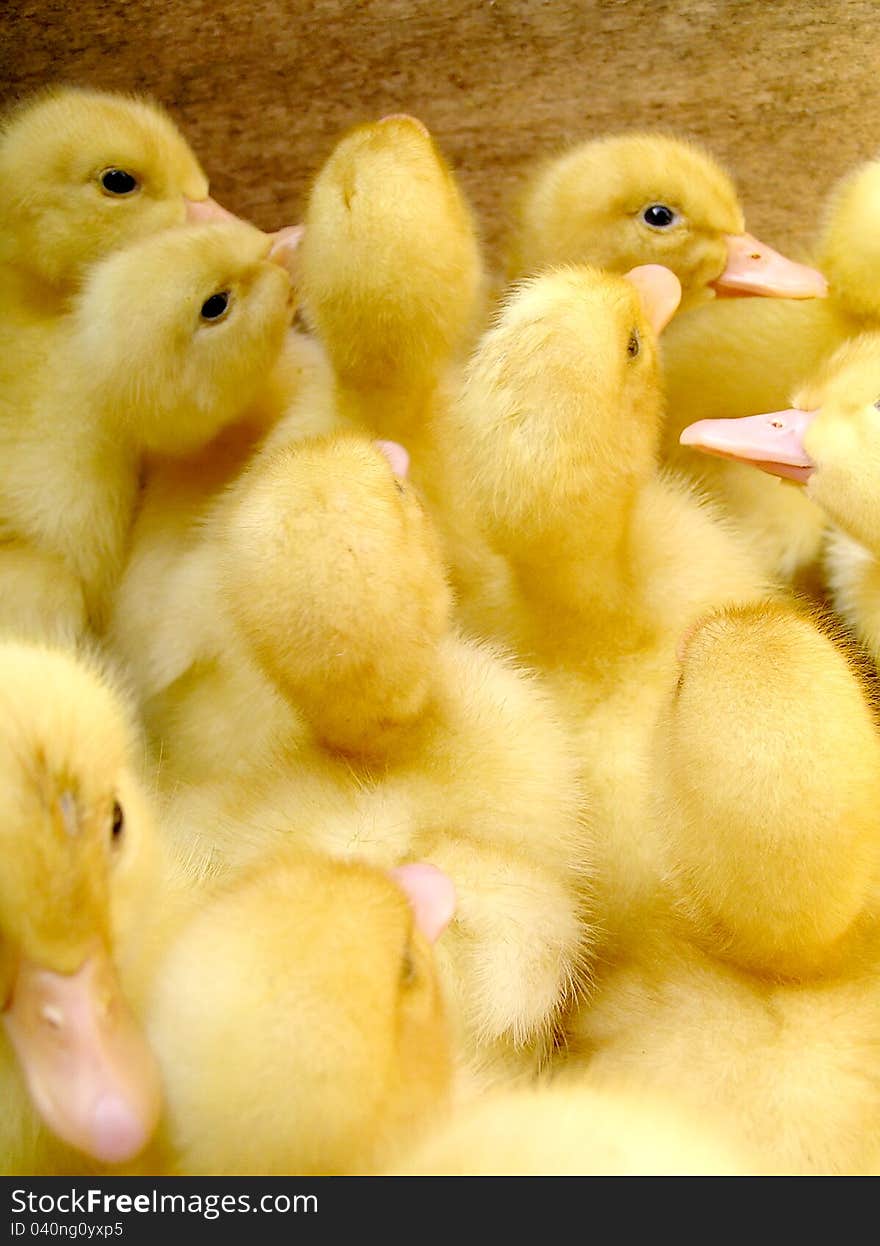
point(786, 94)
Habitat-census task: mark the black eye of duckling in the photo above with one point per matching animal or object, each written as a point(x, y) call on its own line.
point(118, 820)
point(216, 306)
point(118, 182)
point(633, 346)
point(877, 404)
point(658, 216)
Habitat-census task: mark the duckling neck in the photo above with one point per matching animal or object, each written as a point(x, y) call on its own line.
point(395, 412)
point(579, 560)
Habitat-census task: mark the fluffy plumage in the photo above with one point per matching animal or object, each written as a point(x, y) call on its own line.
point(644, 198)
point(753, 997)
point(147, 361)
point(732, 359)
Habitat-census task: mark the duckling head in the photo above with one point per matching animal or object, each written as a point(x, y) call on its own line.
point(561, 409)
point(181, 329)
point(299, 1019)
point(83, 172)
point(643, 198)
point(849, 247)
point(334, 574)
point(773, 811)
point(77, 849)
point(390, 264)
point(829, 440)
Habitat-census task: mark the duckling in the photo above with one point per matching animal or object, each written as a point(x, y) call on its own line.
point(558, 427)
point(338, 699)
point(390, 273)
point(83, 173)
point(298, 1020)
point(735, 358)
point(754, 997)
point(81, 872)
point(393, 280)
point(647, 198)
point(573, 1128)
point(168, 341)
point(827, 443)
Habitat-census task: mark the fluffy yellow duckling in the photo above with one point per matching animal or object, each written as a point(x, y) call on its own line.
point(645, 198)
point(392, 277)
point(755, 999)
point(78, 888)
point(82, 173)
point(827, 442)
point(298, 1020)
point(573, 1128)
point(336, 699)
point(168, 340)
point(733, 359)
point(390, 273)
point(558, 427)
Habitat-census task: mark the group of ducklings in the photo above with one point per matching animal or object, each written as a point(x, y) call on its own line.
point(416, 758)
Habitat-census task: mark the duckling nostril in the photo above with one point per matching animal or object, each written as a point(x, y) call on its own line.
point(52, 1015)
point(756, 255)
point(776, 424)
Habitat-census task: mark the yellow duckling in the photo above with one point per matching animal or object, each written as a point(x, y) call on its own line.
point(298, 1021)
point(828, 443)
point(733, 359)
point(79, 888)
point(574, 1128)
point(558, 427)
point(336, 699)
point(328, 1061)
point(390, 273)
point(392, 277)
point(644, 198)
point(82, 173)
point(754, 999)
point(168, 340)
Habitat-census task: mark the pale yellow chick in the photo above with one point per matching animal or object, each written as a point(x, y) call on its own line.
point(755, 997)
point(392, 277)
point(298, 1020)
point(829, 443)
point(83, 173)
point(167, 341)
point(78, 893)
point(558, 427)
point(733, 359)
point(338, 705)
point(648, 198)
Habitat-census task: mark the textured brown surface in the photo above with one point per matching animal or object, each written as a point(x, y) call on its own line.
point(786, 94)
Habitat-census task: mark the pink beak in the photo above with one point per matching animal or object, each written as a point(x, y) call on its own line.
point(755, 268)
point(89, 1070)
point(659, 291)
point(773, 442)
point(206, 210)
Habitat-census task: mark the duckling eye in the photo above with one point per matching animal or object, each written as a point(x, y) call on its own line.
point(118, 182)
point(634, 345)
point(216, 306)
point(659, 216)
point(877, 404)
point(118, 820)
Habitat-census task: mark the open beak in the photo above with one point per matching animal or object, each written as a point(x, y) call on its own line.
point(774, 442)
point(90, 1073)
point(755, 268)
